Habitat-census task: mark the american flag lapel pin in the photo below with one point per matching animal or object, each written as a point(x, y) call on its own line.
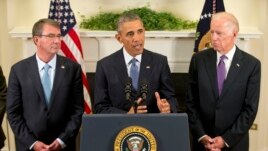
point(238, 65)
point(148, 67)
point(62, 67)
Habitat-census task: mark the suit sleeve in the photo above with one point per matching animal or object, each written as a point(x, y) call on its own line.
point(102, 100)
point(248, 110)
point(15, 110)
point(192, 96)
point(3, 93)
point(166, 87)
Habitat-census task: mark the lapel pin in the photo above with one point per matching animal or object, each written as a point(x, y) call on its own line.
point(148, 67)
point(62, 66)
point(238, 65)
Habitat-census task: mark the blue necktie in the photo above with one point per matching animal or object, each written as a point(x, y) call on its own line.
point(134, 73)
point(221, 73)
point(46, 83)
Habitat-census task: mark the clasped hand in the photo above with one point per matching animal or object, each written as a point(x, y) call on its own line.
point(40, 146)
point(213, 144)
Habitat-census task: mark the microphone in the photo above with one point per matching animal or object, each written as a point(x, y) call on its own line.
point(128, 87)
point(144, 89)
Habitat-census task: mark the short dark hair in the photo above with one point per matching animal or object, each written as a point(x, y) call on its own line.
point(126, 17)
point(38, 26)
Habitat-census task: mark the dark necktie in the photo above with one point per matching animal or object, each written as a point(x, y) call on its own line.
point(46, 83)
point(221, 72)
point(134, 73)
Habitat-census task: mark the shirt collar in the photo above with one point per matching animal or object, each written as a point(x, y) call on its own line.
point(229, 55)
point(41, 63)
point(128, 57)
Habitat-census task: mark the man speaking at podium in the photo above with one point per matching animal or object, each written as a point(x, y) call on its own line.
point(133, 79)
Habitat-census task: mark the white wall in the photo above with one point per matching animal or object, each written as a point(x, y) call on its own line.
point(250, 13)
point(25, 13)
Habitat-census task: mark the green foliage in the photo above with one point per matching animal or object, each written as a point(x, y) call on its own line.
point(103, 21)
point(152, 20)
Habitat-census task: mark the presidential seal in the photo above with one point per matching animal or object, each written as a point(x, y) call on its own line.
point(135, 138)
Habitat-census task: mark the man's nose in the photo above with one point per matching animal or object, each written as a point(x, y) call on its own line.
point(57, 39)
point(213, 36)
point(136, 37)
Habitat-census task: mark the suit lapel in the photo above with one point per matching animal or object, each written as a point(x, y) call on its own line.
point(120, 66)
point(233, 71)
point(210, 65)
point(60, 71)
point(35, 76)
point(145, 67)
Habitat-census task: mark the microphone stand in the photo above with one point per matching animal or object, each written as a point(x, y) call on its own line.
point(143, 93)
point(128, 92)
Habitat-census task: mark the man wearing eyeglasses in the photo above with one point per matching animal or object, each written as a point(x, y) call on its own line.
point(45, 95)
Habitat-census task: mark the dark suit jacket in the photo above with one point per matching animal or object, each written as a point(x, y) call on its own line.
point(3, 93)
point(110, 81)
point(29, 116)
point(231, 114)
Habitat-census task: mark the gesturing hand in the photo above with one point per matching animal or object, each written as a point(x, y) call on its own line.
point(162, 104)
point(140, 108)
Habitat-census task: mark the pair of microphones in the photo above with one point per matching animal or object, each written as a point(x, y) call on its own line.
point(142, 94)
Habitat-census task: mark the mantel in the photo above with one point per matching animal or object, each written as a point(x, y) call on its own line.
point(245, 33)
point(176, 45)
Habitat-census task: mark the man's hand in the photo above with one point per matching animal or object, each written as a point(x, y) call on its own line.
point(162, 104)
point(40, 146)
point(207, 142)
point(218, 142)
point(54, 146)
point(213, 144)
point(139, 108)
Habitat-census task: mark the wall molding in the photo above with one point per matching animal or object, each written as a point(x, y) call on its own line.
point(176, 45)
point(245, 33)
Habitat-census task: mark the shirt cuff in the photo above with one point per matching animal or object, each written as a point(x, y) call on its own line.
point(226, 144)
point(31, 147)
point(200, 138)
point(62, 144)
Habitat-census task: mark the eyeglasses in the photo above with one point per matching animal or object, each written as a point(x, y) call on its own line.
point(52, 36)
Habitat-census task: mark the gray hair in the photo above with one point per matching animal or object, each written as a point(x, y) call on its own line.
point(229, 18)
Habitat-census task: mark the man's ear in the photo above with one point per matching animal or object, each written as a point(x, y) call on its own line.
point(118, 37)
point(235, 34)
point(35, 39)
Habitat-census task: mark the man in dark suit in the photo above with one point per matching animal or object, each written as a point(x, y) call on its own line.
point(41, 121)
point(3, 93)
point(152, 74)
point(220, 117)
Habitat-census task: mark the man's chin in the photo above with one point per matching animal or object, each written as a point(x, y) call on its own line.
point(139, 51)
point(55, 51)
